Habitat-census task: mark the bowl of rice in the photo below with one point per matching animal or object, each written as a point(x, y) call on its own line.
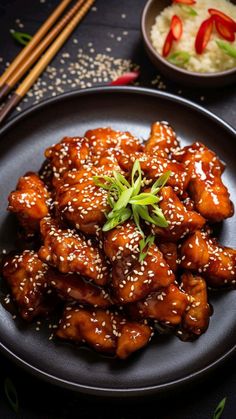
point(179, 58)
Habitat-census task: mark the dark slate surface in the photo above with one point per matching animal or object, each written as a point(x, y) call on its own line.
point(110, 34)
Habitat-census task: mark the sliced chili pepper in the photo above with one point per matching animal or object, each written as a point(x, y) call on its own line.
point(125, 79)
point(224, 17)
point(224, 30)
point(176, 27)
point(203, 35)
point(168, 43)
point(189, 2)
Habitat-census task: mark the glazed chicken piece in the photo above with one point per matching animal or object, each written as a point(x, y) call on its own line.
point(104, 330)
point(74, 287)
point(169, 251)
point(167, 305)
point(181, 221)
point(196, 318)
point(102, 139)
point(210, 195)
point(132, 336)
point(29, 201)
point(81, 202)
point(153, 166)
point(132, 279)
point(216, 263)
point(26, 276)
point(70, 153)
point(69, 252)
point(162, 139)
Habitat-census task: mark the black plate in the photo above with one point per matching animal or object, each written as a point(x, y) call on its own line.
point(167, 361)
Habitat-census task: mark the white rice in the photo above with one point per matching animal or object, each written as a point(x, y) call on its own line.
point(213, 59)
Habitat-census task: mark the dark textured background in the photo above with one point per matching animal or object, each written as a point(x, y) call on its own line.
point(109, 34)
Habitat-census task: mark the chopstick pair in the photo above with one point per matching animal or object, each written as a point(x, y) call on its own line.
point(34, 49)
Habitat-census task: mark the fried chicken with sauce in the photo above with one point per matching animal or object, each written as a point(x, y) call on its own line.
point(167, 305)
point(170, 253)
point(181, 221)
point(216, 263)
point(29, 202)
point(162, 138)
point(81, 202)
point(196, 318)
point(210, 195)
point(25, 274)
point(70, 253)
point(104, 330)
point(132, 280)
point(70, 153)
point(72, 287)
point(102, 139)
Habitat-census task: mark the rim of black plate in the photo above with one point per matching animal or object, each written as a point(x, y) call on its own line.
point(104, 391)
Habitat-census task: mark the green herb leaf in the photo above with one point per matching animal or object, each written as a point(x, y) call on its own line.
point(136, 173)
point(21, 37)
point(189, 10)
point(123, 199)
point(126, 201)
point(219, 409)
point(227, 48)
point(11, 394)
point(159, 218)
point(160, 182)
point(179, 58)
point(144, 199)
point(121, 179)
point(107, 179)
point(145, 244)
point(119, 217)
point(137, 219)
point(144, 214)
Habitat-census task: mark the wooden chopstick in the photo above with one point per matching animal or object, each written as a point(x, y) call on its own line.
point(44, 61)
point(34, 41)
point(37, 52)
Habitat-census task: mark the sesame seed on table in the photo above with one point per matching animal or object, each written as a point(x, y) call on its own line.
point(105, 45)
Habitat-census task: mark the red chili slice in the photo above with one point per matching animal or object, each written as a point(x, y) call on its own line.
point(125, 79)
point(203, 35)
point(176, 27)
point(224, 30)
point(168, 43)
point(224, 17)
point(188, 2)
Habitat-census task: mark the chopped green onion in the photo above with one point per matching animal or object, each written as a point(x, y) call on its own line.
point(143, 244)
point(21, 37)
point(119, 218)
point(227, 48)
point(102, 184)
point(179, 58)
point(11, 394)
point(136, 171)
point(219, 409)
point(144, 199)
point(137, 219)
point(160, 182)
point(189, 10)
point(126, 201)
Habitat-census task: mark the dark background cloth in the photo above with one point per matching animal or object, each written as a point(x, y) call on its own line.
point(109, 35)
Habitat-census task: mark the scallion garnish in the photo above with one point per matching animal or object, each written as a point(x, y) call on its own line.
point(127, 202)
point(21, 37)
point(227, 48)
point(219, 409)
point(179, 58)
